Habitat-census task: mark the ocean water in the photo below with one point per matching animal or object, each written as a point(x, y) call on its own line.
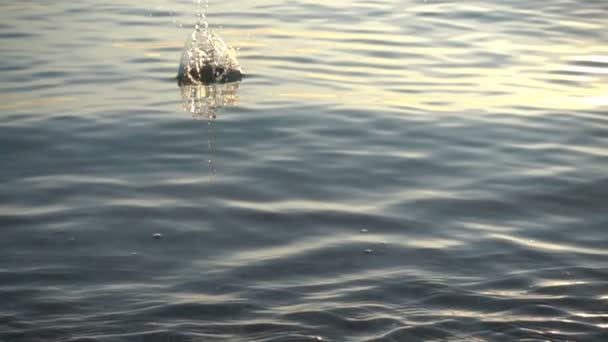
point(387, 170)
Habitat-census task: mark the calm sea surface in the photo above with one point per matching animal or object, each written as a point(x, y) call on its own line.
point(388, 170)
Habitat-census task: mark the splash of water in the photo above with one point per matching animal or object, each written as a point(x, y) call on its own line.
point(207, 70)
point(206, 57)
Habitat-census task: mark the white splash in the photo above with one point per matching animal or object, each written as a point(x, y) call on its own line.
point(206, 58)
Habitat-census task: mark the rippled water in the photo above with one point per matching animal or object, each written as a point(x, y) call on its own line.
point(387, 171)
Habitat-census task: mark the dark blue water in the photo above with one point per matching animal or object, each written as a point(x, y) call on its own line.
point(387, 171)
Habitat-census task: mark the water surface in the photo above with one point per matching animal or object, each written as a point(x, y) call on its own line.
point(387, 171)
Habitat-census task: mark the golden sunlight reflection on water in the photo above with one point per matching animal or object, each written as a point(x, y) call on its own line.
point(536, 81)
point(540, 74)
